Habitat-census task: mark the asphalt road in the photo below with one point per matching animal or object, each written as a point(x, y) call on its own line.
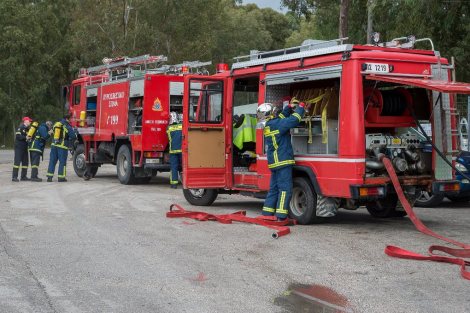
point(100, 246)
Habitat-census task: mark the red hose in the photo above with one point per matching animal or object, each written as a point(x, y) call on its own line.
point(405, 254)
point(280, 227)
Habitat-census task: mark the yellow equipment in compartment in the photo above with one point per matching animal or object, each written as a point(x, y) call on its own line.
point(82, 118)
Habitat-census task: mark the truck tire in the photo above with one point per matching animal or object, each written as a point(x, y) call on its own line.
point(94, 170)
point(386, 207)
point(79, 163)
point(427, 199)
point(200, 197)
point(460, 198)
point(143, 180)
point(124, 167)
point(303, 204)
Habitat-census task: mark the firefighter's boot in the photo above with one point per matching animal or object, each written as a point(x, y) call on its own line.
point(62, 180)
point(49, 179)
point(36, 179)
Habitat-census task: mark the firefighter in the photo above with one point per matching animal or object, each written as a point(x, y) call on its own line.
point(21, 150)
point(280, 155)
point(64, 136)
point(174, 132)
point(36, 147)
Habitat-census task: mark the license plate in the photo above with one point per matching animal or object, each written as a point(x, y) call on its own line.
point(152, 161)
point(377, 68)
point(396, 141)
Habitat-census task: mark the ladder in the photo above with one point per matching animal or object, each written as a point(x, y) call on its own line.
point(187, 67)
point(309, 47)
point(125, 63)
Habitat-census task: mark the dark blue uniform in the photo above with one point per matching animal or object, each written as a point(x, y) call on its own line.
point(21, 153)
point(175, 137)
point(59, 149)
point(36, 148)
point(280, 161)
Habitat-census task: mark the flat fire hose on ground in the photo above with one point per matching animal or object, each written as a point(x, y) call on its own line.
point(281, 227)
point(398, 252)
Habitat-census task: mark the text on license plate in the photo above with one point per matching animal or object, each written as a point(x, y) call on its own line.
point(153, 161)
point(376, 68)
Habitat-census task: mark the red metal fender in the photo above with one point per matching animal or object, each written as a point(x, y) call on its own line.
point(398, 252)
point(281, 227)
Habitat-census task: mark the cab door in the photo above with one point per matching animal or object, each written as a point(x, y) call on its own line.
point(206, 145)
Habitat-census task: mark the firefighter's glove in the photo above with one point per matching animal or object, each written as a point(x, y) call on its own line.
point(294, 103)
point(51, 132)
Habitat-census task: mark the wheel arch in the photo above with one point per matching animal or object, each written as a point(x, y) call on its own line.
point(307, 172)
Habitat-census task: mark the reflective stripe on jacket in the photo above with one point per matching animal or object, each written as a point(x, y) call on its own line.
point(175, 137)
point(277, 138)
point(39, 141)
point(67, 134)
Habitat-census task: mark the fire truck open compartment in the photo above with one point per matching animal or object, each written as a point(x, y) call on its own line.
point(317, 134)
point(390, 111)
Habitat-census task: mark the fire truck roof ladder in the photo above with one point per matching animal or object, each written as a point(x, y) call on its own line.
point(123, 62)
point(308, 48)
point(178, 68)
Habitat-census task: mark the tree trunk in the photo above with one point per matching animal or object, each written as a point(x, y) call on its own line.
point(343, 18)
point(370, 20)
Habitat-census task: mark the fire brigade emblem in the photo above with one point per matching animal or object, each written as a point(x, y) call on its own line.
point(157, 105)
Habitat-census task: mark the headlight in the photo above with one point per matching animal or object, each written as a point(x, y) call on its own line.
point(461, 168)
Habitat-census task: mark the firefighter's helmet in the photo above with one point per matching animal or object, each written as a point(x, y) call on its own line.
point(49, 125)
point(180, 118)
point(264, 110)
point(173, 118)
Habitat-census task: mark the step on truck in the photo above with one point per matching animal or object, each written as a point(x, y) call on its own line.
point(121, 109)
point(366, 102)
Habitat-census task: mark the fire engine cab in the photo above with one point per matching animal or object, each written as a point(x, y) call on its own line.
point(121, 110)
point(366, 101)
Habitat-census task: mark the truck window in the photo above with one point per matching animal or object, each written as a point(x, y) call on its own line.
point(205, 101)
point(245, 96)
point(76, 94)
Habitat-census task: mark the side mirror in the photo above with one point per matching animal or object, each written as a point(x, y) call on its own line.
point(65, 97)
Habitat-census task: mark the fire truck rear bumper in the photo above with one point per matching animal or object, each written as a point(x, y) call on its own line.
point(368, 192)
point(449, 187)
point(158, 167)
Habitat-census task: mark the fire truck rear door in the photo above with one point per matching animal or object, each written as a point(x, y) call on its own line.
point(205, 144)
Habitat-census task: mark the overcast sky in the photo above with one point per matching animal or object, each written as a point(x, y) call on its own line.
point(274, 4)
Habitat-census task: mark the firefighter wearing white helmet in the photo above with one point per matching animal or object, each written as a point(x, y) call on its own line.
point(280, 154)
point(174, 132)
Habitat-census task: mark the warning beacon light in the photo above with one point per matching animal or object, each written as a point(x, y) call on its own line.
point(185, 69)
point(222, 67)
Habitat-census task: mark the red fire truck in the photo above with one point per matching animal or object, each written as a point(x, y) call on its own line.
point(366, 100)
point(121, 110)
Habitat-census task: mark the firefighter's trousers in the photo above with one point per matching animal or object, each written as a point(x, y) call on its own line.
point(175, 165)
point(35, 157)
point(21, 161)
point(280, 192)
point(58, 154)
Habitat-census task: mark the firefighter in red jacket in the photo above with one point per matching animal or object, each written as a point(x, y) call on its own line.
point(280, 155)
point(21, 151)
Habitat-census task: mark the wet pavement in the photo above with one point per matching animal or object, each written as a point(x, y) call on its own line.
point(100, 246)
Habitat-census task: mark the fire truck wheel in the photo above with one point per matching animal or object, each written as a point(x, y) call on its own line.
point(384, 208)
point(201, 197)
point(79, 163)
point(303, 205)
point(124, 166)
point(427, 199)
point(464, 197)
